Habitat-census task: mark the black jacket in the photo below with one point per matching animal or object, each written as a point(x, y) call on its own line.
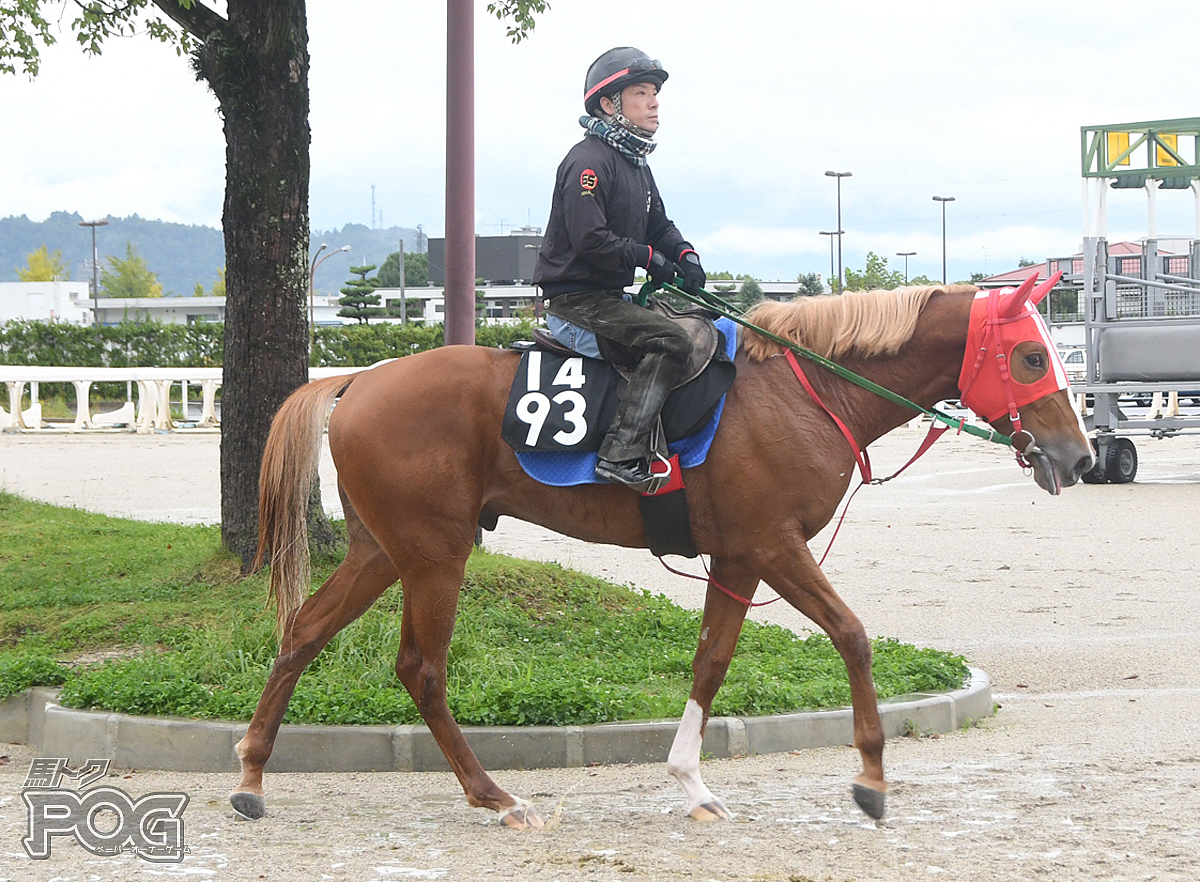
point(605, 217)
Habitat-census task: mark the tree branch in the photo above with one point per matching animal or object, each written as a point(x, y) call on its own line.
point(521, 13)
point(195, 18)
point(22, 28)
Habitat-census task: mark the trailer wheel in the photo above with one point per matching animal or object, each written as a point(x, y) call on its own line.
point(1094, 475)
point(1120, 461)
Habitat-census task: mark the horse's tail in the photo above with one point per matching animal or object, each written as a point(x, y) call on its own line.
point(285, 484)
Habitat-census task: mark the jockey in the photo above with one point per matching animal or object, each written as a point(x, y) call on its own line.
point(607, 219)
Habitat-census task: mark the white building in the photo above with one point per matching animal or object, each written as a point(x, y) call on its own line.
point(167, 310)
point(46, 302)
point(503, 303)
point(70, 302)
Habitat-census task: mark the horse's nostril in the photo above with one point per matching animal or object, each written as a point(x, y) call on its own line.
point(1084, 465)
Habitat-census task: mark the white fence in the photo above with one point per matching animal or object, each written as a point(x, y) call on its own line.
point(150, 413)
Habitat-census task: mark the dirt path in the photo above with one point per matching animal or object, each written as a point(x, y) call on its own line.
point(1083, 609)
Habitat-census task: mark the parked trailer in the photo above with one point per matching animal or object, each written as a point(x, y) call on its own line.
point(1141, 311)
point(1142, 327)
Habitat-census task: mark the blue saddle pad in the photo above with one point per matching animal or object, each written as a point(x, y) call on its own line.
point(569, 468)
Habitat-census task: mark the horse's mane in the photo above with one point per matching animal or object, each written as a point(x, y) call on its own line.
point(868, 323)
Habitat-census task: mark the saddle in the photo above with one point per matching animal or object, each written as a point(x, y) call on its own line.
point(699, 326)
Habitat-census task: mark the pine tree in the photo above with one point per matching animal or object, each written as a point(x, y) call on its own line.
point(358, 299)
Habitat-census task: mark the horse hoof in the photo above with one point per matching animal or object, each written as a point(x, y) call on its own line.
point(521, 816)
point(710, 811)
point(870, 800)
point(250, 806)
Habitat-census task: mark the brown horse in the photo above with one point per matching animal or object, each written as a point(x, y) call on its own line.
point(421, 465)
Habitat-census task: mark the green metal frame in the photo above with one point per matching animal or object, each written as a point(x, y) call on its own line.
point(1097, 163)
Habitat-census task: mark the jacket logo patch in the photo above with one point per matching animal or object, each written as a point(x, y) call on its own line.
point(588, 179)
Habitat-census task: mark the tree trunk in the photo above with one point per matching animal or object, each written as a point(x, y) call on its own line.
point(258, 69)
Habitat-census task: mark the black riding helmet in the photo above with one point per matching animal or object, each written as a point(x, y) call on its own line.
point(616, 69)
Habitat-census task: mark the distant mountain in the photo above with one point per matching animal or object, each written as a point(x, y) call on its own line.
point(367, 247)
point(181, 255)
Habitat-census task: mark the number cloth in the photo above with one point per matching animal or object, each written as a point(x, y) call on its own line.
point(557, 416)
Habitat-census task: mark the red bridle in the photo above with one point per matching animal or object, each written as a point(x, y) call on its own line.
point(1001, 320)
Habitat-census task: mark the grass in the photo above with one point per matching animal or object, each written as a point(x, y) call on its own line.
point(155, 619)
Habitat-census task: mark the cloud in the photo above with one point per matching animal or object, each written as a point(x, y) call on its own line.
point(930, 97)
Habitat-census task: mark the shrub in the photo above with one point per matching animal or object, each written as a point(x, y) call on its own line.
point(128, 344)
point(151, 344)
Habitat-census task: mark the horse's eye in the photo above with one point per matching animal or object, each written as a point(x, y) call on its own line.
point(1036, 361)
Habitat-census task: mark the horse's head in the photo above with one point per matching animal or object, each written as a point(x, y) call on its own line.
point(1013, 377)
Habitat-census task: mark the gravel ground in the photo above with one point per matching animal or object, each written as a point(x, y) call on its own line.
point(1082, 609)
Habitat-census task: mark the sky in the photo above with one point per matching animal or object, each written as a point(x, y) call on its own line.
point(979, 101)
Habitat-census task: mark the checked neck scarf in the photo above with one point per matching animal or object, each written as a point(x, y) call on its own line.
point(632, 146)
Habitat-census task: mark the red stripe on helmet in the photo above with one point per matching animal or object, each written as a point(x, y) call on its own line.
point(600, 85)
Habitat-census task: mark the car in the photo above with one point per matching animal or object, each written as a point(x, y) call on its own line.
point(1075, 361)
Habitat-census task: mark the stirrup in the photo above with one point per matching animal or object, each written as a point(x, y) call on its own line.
point(626, 471)
point(661, 478)
point(659, 456)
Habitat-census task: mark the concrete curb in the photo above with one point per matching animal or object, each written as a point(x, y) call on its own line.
point(33, 717)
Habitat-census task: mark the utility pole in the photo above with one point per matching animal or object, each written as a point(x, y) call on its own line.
point(95, 268)
point(839, 175)
point(943, 200)
point(403, 301)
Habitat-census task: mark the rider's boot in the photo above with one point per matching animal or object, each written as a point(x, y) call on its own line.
point(629, 446)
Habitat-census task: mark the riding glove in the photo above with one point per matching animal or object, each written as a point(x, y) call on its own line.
point(693, 274)
point(661, 271)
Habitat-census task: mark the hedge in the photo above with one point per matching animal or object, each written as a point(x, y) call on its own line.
point(129, 344)
point(151, 344)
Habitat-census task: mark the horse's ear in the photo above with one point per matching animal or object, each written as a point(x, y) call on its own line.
point(1045, 288)
point(1013, 303)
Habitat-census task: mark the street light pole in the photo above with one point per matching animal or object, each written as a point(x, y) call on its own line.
point(839, 176)
point(403, 285)
point(312, 297)
point(906, 255)
point(830, 234)
point(95, 271)
point(460, 172)
point(943, 200)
